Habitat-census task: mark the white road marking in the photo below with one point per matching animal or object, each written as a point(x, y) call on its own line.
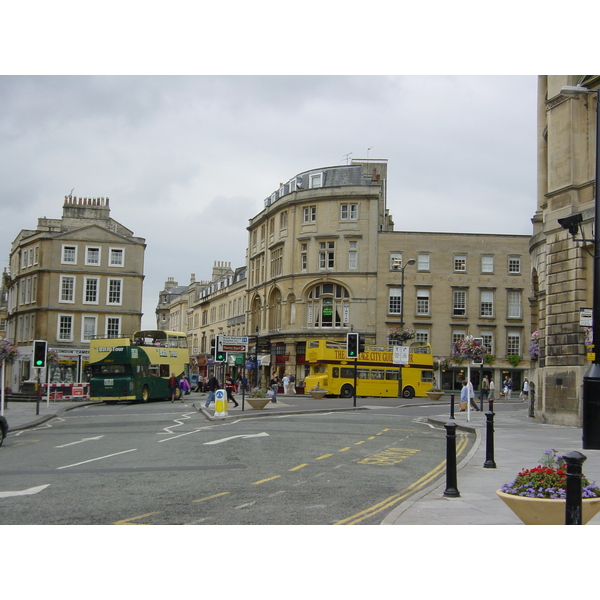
point(253, 435)
point(28, 492)
point(94, 459)
point(80, 441)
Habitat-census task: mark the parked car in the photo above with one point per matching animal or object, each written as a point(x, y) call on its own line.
point(3, 429)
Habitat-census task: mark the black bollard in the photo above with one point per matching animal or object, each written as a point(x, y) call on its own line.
point(574, 462)
point(489, 441)
point(452, 406)
point(451, 490)
point(491, 405)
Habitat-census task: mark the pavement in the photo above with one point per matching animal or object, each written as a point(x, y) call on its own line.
point(519, 442)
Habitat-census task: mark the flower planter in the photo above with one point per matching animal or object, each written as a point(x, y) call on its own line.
point(318, 394)
point(435, 395)
point(258, 403)
point(546, 511)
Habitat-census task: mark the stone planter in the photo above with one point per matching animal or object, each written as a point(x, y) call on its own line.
point(318, 394)
point(258, 403)
point(435, 395)
point(545, 511)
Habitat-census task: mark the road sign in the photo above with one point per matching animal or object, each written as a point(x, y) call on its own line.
point(220, 403)
point(586, 317)
point(231, 343)
point(401, 355)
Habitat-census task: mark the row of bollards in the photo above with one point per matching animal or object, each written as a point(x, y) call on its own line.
point(574, 461)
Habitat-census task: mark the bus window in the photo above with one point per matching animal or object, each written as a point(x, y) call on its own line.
point(377, 373)
point(319, 369)
point(164, 371)
point(427, 376)
point(153, 370)
point(391, 374)
point(362, 373)
point(313, 344)
point(347, 373)
point(335, 372)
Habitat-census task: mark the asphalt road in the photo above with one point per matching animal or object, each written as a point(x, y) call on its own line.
point(163, 463)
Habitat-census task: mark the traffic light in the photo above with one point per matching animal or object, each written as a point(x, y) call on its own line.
point(361, 344)
point(39, 353)
point(352, 345)
point(212, 347)
point(220, 356)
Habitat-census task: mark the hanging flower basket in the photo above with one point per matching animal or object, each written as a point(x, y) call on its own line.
point(468, 349)
point(513, 359)
point(8, 352)
point(401, 334)
point(534, 345)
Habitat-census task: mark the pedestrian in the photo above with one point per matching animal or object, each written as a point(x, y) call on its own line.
point(212, 386)
point(507, 387)
point(485, 386)
point(464, 395)
point(184, 387)
point(229, 383)
point(492, 389)
point(293, 383)
point(525, 392)
point(172, 387)
point(274, 384)
point(472, 396)
point(286, 384)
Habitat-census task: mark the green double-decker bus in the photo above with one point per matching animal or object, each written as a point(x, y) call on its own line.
point(124, 369)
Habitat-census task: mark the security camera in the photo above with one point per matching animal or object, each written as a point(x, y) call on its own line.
point(571, 223)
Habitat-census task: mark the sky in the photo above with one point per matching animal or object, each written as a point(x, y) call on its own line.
point(187, 160)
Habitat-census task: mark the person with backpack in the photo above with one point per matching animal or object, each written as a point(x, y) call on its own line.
point(229, 383)
point(212, 385)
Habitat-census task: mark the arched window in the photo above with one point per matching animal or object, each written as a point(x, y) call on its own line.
point(328, 305)
point(255, 314)
point(275, 310)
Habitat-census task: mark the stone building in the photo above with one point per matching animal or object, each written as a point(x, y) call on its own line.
point(460, 284)
point(71, 279)
point(562, 263)
point(322, 261)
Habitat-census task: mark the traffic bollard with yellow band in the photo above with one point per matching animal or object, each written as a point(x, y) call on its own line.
point(220, 403)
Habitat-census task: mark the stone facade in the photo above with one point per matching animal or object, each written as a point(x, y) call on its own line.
point(562, 268)
point(322, 261)
point(71, 279)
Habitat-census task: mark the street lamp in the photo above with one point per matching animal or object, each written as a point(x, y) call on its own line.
point(410, 261)
point(591, 380)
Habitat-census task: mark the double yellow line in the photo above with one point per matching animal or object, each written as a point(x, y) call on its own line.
point(406, 492)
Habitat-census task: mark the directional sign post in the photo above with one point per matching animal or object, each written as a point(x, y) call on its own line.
point(230, 343)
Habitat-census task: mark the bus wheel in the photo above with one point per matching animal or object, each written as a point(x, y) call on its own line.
point(347, 391)
point(408, 392)
point(145, 394)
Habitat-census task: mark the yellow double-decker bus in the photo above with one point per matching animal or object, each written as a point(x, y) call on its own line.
point(138, 369)
point(376, 376)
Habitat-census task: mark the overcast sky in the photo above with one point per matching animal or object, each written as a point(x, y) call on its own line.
point(187, 160)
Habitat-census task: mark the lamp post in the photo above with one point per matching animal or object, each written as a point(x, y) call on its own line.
point(410, 261)
point(591, 380)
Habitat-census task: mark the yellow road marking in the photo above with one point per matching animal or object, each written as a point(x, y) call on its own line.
point(357, 443)
point(264, 480)
point(371, 438)
point(298, 467)
point(324, 456)
point(128, 521)
point(211, 497)
point(411, 489)
point(344, 449)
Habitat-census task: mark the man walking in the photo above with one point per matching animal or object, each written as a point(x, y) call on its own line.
point(213, 386)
